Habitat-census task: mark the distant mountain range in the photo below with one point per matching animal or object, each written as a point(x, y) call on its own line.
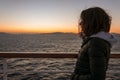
point(4, 33)
point(54, 33)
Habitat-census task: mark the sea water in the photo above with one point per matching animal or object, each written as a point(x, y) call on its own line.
point(57, 42)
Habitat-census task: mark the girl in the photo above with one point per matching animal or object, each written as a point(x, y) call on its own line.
point(94, 54)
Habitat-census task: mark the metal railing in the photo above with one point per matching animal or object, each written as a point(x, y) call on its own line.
point(46, 55)
point(6, 55)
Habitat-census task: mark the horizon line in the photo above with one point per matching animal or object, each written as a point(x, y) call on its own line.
point(37, 32)
point(45, 33)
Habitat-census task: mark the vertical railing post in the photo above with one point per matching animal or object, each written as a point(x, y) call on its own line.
point(4, 69)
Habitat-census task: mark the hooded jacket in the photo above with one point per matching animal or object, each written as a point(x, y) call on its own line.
point(93, 57)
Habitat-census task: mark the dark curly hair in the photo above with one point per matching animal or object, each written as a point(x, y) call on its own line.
point(94, 20)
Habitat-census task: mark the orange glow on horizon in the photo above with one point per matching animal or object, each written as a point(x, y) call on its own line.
point(45, 29)
point(37, 30)
point(115, 30)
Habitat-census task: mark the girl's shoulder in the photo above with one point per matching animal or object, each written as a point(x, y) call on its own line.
point(95, 41)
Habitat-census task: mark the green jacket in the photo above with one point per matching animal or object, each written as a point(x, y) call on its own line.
point(92, 60)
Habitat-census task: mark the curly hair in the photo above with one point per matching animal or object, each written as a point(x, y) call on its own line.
point(94, 20)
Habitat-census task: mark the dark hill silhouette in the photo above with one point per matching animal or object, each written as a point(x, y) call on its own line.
point(54, 33)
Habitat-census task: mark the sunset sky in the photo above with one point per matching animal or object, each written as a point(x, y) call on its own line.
point(44, 16)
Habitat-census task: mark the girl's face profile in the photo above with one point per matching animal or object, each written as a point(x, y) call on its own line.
point(81, 24)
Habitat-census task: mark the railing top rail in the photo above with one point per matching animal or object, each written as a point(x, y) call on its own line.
point(47, 55)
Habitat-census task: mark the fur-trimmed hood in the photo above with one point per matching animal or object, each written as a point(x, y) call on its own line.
point(106, 36)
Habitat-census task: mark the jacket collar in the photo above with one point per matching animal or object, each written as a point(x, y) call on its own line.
point(86, 40)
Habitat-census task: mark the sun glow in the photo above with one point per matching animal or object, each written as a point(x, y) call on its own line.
point(37, 29)
point(49, 16)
